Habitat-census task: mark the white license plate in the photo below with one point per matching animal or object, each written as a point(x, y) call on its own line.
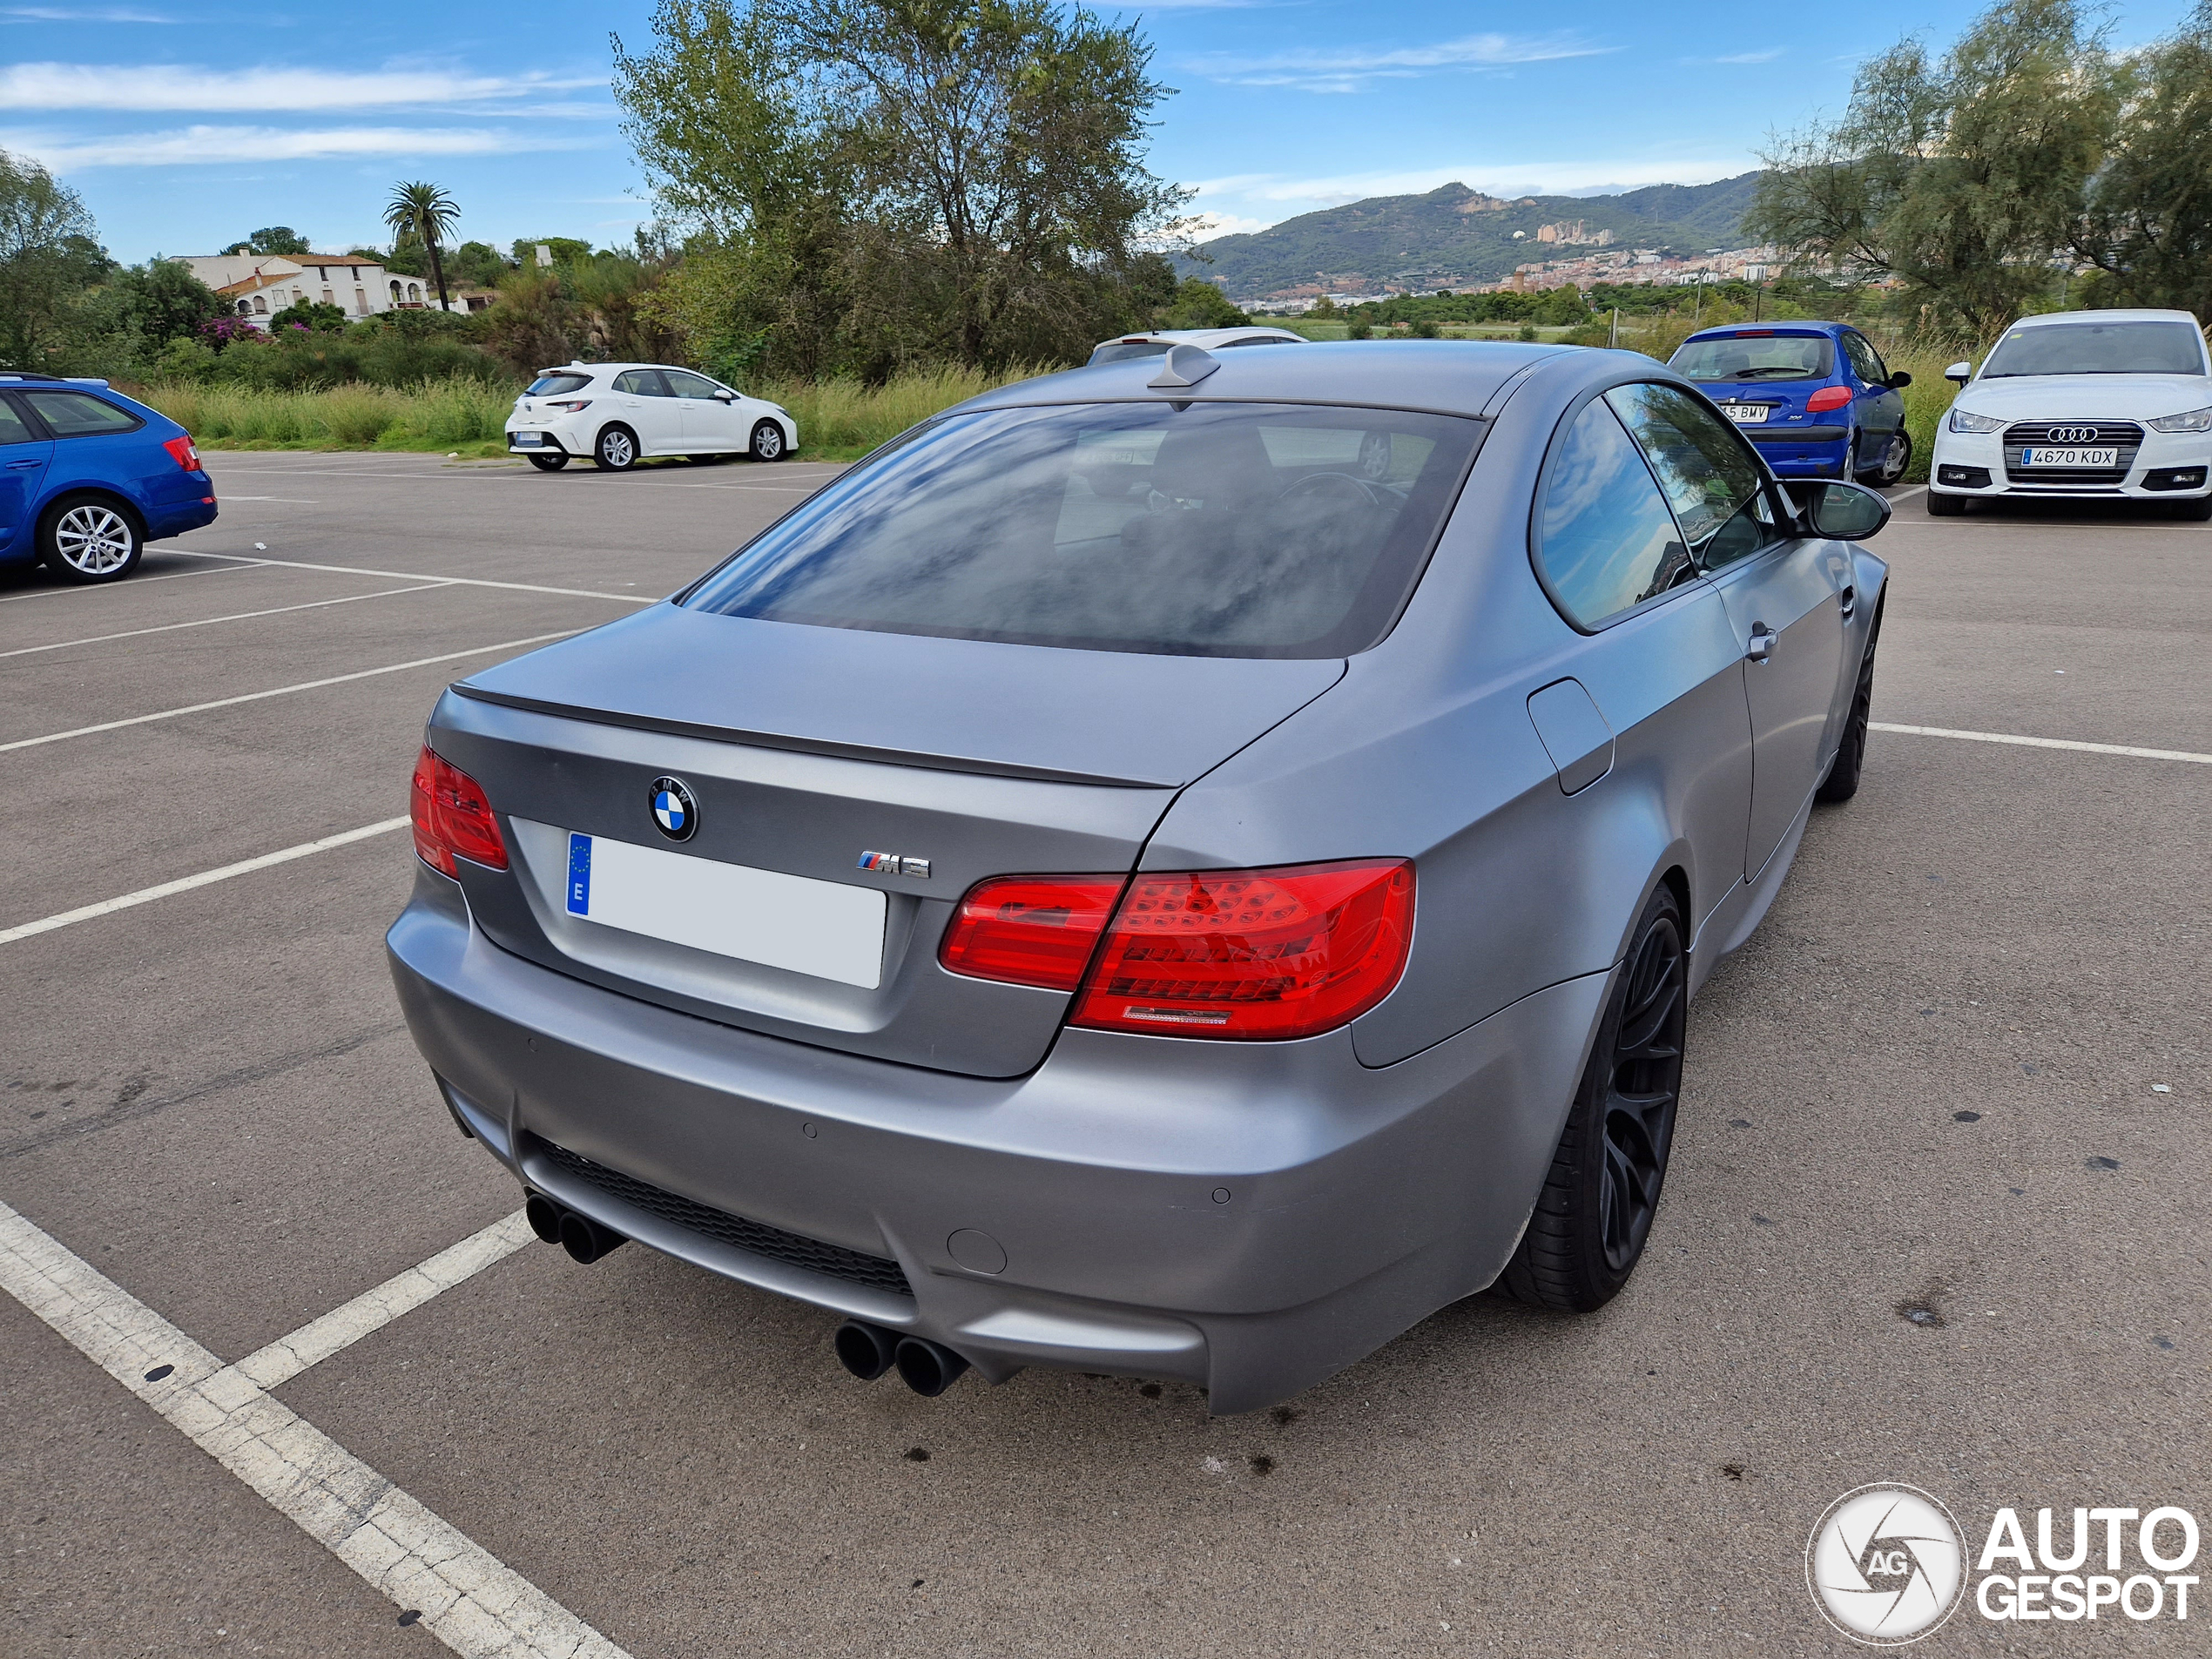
point(529, 439)
point(823, 928)
point(2069, 457)
point(1747, 414)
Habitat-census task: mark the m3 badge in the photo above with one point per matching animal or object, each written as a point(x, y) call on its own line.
point(895, 864)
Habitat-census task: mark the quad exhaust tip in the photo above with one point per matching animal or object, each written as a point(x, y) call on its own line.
point(868, 1350)
point(584, 1239)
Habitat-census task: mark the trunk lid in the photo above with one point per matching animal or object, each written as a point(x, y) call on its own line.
point(804, 748)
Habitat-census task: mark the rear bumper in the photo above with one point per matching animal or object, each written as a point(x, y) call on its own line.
point(176, 519)
point(1250, 1217)
point(1809, 451)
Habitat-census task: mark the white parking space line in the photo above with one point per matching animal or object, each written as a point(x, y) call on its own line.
point(209, 622)
point(283, 691)
point(2127, 750)
point(136, 581)
point(313, 1343)
point(186, 884)
point(426, 575)
point(468, 1598)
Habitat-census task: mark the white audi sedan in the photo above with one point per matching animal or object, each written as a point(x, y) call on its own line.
point(2082, 405)
point(618, 413)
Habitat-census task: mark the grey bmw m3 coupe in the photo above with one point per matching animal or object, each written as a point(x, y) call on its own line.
point(1179, 868)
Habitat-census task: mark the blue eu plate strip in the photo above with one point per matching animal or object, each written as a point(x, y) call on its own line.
point(579, 875)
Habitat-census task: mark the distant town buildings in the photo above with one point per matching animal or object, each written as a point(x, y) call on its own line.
point(1606, 263)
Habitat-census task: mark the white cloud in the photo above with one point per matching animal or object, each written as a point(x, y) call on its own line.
point(1766, 56)
point(205, 145)
point(87, 14)
point(1212, 225)
point(1337, 70)
point(254, 92)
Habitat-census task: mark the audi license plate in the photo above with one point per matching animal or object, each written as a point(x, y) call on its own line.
point(2070, 457)
point(1747, 414)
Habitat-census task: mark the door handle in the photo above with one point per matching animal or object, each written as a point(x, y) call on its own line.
point(23, 466)
point(1763, 638)
point(1847, 602)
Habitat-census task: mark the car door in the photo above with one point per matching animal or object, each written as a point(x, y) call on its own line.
point(1784, 594)
point(23, 458)
point(1658, 693)
point(646, 408)
point(1879, 408)
point(712, 424)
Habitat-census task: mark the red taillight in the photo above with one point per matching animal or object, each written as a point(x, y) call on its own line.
point(1029, 930)
point(452, 817)
point(1828, 397)
point(1242, 954)
point(181, 451)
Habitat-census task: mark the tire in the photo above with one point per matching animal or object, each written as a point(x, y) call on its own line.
point(1594, 1213)
point(2191, 512)
point(90, 539)
point(1897, 457)
point(1946, 506)
point(1842, 781)
point(768, 443)
point(548, 463)
point(617, 449)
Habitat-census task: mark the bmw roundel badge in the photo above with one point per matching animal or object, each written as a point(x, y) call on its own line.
point(674, 810)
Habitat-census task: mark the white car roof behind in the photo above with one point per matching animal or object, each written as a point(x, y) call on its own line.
point(2046, 319)
point(1208, 337)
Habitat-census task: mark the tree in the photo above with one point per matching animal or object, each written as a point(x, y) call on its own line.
point(479, 263)
point(1963, 177)
point(155, 303)
point(49, 255)
point(2147, 224)
point(423, 209)
point(272, 239)
point(1200, 304)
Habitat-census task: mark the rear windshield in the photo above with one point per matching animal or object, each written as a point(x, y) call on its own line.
point(1209, 529)
point(1115, 351)
point(555, 385)
point(2098, 349)
point(1769, 357)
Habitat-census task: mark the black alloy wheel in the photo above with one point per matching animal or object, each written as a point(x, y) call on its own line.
point(549, 463)
point(617, 450)
point(768, 441)
point(1842, 781)
point(1595, 1210)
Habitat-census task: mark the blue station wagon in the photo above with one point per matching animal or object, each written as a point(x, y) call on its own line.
point(88, 476)
point(1816, 397)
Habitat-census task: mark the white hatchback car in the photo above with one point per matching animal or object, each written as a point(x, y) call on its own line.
point(1157, 343)
point(618, 413)
point(2082, 405)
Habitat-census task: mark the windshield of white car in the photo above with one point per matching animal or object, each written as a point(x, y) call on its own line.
point(1756, 357)
point(2097, 349)
point(556, 385)
point(1116, 350)
point(1194, 529)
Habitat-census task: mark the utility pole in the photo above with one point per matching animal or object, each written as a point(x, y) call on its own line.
point(1614, 338)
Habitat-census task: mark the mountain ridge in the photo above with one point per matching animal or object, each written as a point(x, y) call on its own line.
point(1455, 237)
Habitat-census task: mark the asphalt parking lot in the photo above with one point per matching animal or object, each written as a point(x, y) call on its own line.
point(1937, 1213)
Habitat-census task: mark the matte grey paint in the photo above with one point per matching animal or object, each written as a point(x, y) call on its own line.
point(1574, 734)
point(1378, 1171)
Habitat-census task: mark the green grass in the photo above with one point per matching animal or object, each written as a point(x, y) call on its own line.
point(840, 420)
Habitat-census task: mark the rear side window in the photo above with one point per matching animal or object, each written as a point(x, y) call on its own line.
point(558, 385)
point(1756, 357)
point(79, 414)
point(641, 382)
point(12, 428)
point(1213, 529)
point(1605, 539)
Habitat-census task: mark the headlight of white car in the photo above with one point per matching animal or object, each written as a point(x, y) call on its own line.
point(1965, 421)
point(2194, 421)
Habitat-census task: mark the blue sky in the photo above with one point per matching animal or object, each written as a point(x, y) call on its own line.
point(184, 129)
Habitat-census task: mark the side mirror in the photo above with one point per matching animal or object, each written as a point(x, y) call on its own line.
point(724, 394)
point(1899, 380)
point(1845, 512)
point(1960, 373)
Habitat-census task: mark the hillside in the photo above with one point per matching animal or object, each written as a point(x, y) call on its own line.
point(1454, 237)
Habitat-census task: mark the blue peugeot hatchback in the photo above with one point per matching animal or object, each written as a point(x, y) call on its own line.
point(88, 476)
point(1816, 397)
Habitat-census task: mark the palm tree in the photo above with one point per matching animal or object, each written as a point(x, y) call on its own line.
point(426, 210)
